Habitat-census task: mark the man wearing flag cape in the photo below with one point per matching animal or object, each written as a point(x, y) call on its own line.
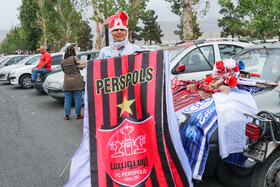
point(127, 140)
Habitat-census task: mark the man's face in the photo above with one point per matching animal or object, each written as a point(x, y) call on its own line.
point(119, 34)
point(42, 50)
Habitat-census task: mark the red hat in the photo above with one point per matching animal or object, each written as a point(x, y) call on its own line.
point(117, 21)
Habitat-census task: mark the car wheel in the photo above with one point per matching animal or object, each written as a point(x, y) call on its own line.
point(268, 172)
point(25, 81)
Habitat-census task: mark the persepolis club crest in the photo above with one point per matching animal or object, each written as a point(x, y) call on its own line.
point(127, 152)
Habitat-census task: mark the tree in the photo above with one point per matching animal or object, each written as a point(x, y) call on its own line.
point(134, 9)
point(102, 9)
point(151, 31)
point(40, 22)
point(231, 22)
point(188, 16)
point(27, 17)
point(69, 18)
point(195, 29)
point(105, 8)
point(85, 36)
point(261, 18)
point(13, 41)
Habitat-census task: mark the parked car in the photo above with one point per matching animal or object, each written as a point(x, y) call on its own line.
point(82, 55)
point(263, 59)
point(150, 48)
point(22, 75)
point(5, 71)
point(12, 59)
point(201, 57)
point(54, 83)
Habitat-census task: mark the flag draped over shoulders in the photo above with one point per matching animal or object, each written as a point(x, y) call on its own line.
point(131, 138)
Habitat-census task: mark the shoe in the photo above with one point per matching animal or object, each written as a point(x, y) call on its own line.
point(80, 116)
point(66, 117)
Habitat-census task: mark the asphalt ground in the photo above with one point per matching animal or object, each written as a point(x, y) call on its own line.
point(36, 142)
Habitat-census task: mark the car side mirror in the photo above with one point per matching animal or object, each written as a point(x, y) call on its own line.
point(27, 63)
point(180, 68)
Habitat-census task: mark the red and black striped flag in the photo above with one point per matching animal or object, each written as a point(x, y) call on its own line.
point(130, 143)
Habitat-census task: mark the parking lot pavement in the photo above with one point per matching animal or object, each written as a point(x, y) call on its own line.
point(36, 142)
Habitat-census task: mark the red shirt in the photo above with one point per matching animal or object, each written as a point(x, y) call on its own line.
point(44, 58)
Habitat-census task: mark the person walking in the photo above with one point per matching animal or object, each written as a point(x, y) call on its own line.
point(73, 85)
point(44, 65)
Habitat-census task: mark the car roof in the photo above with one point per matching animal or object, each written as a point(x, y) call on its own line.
point(264, 45)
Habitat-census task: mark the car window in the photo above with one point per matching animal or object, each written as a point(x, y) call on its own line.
point(34, 60)
point(84, 57)
point(56, 60)
point(228, 51)
point(265, 62)
point(195, 61)
point(14, 60)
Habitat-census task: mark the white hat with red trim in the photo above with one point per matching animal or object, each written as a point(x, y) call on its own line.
point(117, 21)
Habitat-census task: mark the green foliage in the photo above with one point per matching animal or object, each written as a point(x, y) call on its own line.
point(13, 41)
point(195, 29)
point(151, 31)
point(27, 17)
point(85, 36)
point(259, 19)
point(232, 21)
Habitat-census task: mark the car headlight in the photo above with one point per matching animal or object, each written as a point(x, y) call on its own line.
point(12, 73)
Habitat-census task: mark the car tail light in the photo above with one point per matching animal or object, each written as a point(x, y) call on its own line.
point(252, 131)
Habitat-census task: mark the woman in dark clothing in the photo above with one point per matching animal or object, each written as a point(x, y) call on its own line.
point(73, 85)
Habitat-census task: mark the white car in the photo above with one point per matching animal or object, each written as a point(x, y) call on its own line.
point(54, 83)
point(12, 59)
point(196, 62)
point(22, 75)
point(5, 71)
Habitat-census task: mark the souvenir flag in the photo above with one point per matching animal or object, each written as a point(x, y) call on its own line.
point(131, 139)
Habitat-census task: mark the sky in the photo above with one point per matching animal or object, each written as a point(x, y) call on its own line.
point(9, 12)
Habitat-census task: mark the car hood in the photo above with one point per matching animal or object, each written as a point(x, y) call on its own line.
point(7, 69)
point(55, 77)
point(268, 99)
point(26, 69)
point(59, 76)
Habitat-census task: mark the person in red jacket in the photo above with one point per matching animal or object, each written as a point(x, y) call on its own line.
point(44, 65)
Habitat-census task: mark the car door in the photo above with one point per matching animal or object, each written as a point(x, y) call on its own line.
point(196, 65)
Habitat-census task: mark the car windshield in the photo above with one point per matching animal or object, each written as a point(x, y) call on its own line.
point(265, 62)
point(175, 52)
point(6, 59)
point(30, 59)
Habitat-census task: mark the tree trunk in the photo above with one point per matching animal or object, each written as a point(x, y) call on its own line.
point(187, 17)
point(98, 36)
point(41, 22)
point(67, 36)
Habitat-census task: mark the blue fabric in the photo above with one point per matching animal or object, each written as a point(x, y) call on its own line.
point(68, 101)
point(251, 89)
point(35, 72)
point(236, 158)
point(197, 122)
